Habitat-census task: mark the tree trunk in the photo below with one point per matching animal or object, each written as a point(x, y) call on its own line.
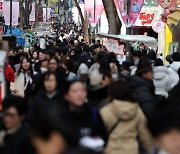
point(85, 29)
point(36, 12)
point(113, 19)
point(25, 7)
point(22, 14)
point(84, 21)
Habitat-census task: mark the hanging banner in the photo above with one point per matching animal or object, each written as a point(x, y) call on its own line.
point(129, 10)
point(148, 16)
point(94, 9)
point(168, 4)
point(1, 6)
point(46, 19)
point(15, 12)
point(32, 15)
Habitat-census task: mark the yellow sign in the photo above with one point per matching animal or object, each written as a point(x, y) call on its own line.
point(168, 38)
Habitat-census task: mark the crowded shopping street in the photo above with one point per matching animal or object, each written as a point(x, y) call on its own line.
point(90, 77)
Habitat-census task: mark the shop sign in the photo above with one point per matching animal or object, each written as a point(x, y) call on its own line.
point(158, 26)
point(168, 4)
point(148, 16)
point(30, 39)
point(113, 46)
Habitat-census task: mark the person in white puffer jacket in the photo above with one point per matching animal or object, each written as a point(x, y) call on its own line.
point(164, 80)
point(176, 62)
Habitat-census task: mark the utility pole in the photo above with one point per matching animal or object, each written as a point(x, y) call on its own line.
point(46, 11)
point(10, 26)
point(94, 28)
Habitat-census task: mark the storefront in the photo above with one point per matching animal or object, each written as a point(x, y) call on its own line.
point(145, 20)
point(174, 23)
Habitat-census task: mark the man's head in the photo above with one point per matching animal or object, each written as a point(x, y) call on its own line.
point(144, 69)
point(97, 48)
point(164, 125)
point(13, 111)
point(20, 50)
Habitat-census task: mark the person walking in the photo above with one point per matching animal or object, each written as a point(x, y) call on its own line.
point(124, 121)
point(23, 79)
point(143, 87)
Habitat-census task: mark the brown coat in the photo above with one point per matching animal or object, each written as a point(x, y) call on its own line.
point(123, 139)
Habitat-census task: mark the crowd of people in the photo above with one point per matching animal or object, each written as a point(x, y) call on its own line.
point(76, 98)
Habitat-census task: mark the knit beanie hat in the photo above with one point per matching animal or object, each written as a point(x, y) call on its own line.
point(143, 66)
point(96, 78)
point(83, 69)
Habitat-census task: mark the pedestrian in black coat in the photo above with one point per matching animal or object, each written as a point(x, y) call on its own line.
point(142, 84)
point(14, 134)
point(78, 113)
point(46, 97)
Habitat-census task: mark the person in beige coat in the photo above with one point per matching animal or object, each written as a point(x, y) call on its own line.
point(23, 78)
point(124, 121)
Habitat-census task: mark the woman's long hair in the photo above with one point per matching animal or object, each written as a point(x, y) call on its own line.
point(46, 76)
point(21, 68)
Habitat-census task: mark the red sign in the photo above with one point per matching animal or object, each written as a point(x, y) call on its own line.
point(1, 30)
point(1, 6)
point(146, 18)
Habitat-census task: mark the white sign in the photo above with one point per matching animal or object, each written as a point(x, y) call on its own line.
point(149, 15)
point(15, 12)
point(158, 26)
point(113, 46)
point(32, 15)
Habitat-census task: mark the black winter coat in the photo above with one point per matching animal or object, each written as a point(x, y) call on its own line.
point(41, 102)
point(82, 121)
point(144, 93)
point(16, 143)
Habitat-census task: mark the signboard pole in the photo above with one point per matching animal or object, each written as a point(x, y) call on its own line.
point(94, 37)
point(10, 26)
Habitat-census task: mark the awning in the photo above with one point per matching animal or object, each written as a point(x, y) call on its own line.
point(150, 41)
point(174, 17)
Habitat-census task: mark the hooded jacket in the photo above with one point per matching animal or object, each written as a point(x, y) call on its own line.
point(132, 123)
point(161, 81)
point(175, 66)
point(173, 78)
point(144, 93)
